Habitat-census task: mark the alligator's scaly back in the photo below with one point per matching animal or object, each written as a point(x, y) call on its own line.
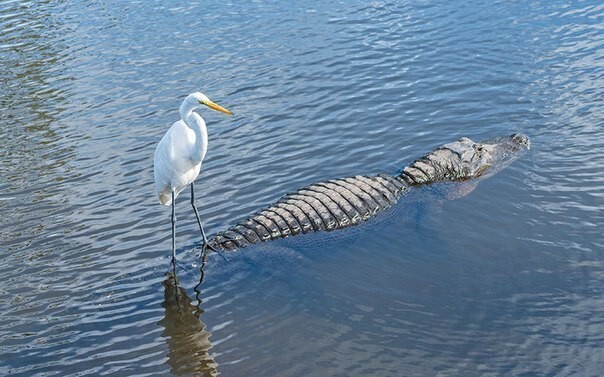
point(340, 203)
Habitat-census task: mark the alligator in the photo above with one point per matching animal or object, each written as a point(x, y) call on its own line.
point(345, 202)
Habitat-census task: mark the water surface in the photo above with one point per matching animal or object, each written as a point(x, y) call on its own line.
point(507, 280)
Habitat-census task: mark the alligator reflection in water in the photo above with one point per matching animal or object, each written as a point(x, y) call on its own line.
point(188, 341)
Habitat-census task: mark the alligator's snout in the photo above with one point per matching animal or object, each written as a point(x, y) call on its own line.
point(500, 152)
point(522, 140)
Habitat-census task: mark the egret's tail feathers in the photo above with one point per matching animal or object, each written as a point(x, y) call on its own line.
point(165, 195)
point(165, 198)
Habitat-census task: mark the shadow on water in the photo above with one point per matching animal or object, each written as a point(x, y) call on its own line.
point(188, 341)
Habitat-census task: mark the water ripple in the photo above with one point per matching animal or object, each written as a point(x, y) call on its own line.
point(505, 281)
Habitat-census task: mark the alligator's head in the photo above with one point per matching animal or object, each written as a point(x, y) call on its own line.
point(465, 159)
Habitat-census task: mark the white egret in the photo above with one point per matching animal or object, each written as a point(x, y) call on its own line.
point(178, 157)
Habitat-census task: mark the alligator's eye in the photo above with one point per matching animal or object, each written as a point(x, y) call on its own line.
point(478, 148)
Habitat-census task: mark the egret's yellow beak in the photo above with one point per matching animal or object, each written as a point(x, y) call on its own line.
point(215, 106)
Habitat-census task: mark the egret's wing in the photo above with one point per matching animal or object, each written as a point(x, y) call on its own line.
point(173, 168)
point(163, 164)
point(162, 171)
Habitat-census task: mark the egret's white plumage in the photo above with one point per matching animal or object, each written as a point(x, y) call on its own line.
point(178, 156)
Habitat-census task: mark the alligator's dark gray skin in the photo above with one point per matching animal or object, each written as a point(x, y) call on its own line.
point(340, 203)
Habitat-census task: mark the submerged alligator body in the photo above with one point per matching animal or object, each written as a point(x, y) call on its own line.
point(344, 202)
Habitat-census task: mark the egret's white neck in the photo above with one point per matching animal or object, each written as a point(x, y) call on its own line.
point(196, 123)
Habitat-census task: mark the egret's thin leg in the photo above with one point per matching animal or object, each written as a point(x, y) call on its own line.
point(203, 234)
point(173, 236)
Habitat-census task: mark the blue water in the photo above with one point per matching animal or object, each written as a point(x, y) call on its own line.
point(505, 281)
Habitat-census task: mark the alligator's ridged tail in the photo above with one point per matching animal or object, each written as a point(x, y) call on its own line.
point(324, 206)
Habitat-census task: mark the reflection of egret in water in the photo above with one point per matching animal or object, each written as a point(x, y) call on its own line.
point(188, 342)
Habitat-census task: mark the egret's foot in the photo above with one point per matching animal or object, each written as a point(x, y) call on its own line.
point(204, 251)
point(174, 266)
